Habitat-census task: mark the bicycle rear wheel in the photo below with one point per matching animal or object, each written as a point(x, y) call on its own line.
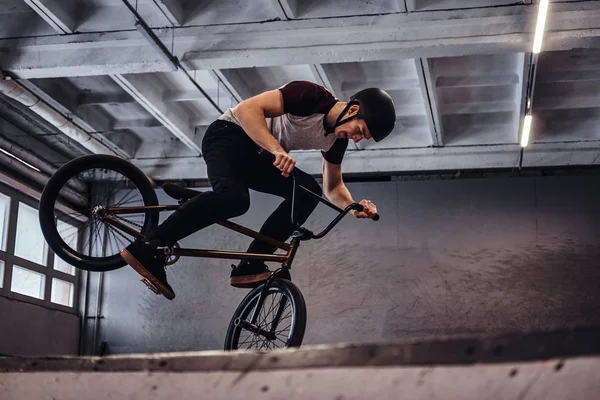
point(81, 235)
point(282, 315)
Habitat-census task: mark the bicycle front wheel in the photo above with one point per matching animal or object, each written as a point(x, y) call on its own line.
point(78, 231)
point(280, 322)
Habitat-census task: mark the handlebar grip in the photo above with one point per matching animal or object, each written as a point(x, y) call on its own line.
point(269, 156)
point(359, 207)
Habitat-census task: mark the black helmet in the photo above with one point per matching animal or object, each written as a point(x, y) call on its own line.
point(376, 107)
point(378, 110)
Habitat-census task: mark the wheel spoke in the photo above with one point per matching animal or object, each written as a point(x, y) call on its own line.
point(107, 193)
point(110, 242)
point(282, 304)
point(117, 238)
point(277, 333)
point(96, 234)
point(244, 342)
point(128, 198)
point(277, 315)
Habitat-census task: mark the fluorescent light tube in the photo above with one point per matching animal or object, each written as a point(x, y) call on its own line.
point(539, 28)
point(18, 159)
point(526, 130)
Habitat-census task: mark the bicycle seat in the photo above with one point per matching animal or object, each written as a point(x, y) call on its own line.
point(178, 192)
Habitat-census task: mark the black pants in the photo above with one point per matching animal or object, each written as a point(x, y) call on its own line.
point(234, 167)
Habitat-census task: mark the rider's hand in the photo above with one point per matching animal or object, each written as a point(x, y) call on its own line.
point(369, 210)
point(284, 162)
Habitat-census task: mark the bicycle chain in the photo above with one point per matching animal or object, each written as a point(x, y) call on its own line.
point(126, 220)
point(112, 228)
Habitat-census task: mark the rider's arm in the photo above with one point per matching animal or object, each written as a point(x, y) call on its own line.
point(252, 114)
point(333, 185)
point(337, 192)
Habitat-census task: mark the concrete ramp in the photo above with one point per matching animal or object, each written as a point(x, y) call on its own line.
point(550, 365)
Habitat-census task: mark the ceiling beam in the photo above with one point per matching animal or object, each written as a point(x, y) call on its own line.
point(172, 10)
point(94, 99)
point(327, 80)
point(60, 121)
point(153, 149)
point(478, 81)
point(202, 121)
point(144, 91)
point(135, 124)
point(448, 158)
point(195, 95)
point(58, 14)
point(577, 75)
point(285, 9)
point(495, 30)
point(479, 107)
point(567, 102)
point(431, 5)
point(428, 90)
point(389, 84)
point(65, 102)
point(90, 120)
point(231, 89)
point(234, 82)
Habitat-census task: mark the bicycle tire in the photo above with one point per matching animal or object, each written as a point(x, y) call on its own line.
point(247, 304)
point(50, 195)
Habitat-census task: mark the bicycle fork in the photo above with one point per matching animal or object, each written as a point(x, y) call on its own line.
point(251, 325)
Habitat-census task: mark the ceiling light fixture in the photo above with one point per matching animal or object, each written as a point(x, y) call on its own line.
point(18, 159)
point(539, 28)
point(526, 130)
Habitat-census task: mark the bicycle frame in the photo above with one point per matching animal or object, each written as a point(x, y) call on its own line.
point(286, 259)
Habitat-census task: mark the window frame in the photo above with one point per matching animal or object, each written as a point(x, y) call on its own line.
point(48, 271)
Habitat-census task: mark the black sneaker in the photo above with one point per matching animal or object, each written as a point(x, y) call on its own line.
point(249, 274)
point(150, 264)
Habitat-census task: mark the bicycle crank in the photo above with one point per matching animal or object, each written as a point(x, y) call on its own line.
point(254, 329)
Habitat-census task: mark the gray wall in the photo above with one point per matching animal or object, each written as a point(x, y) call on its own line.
point(448, 257)
point(27, 329)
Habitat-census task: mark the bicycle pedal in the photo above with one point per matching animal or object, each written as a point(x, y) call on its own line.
point(150, 286)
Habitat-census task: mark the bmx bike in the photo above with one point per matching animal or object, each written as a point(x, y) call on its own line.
point(110, 203)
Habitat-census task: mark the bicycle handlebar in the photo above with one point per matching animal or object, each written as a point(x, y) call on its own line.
point(342, 212)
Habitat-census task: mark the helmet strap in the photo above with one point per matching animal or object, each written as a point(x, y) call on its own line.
point(339, 120)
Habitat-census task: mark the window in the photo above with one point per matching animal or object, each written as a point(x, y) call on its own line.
point(29, 270)
point(30, 243)
point(27, 282)
point(69, 234)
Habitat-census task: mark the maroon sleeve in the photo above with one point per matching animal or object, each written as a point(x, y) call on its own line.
point(304, 98)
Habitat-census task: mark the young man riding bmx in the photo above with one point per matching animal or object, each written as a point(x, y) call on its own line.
point(297, 116)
